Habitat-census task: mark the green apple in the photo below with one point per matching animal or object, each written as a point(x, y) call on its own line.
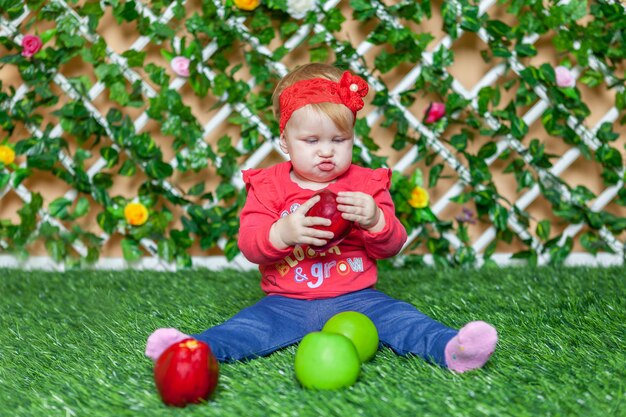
point(326, 361)
point(358, 328)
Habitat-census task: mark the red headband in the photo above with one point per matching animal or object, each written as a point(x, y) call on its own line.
point(349, 91)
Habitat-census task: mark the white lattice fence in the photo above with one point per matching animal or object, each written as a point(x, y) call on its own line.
point(212, 218)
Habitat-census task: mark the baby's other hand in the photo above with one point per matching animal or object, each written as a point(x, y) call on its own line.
point(361, 208)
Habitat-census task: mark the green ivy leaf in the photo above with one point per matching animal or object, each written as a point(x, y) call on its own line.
point(333, 19)
point(82, 208)
point(362, 9)
point(609, 156)
point(134, 58)
point(529, 255)
point(499, 215)
point(56, 250)
point(110, 155)
point(4, 179)
point(117, 93)
point(59, 208)
point(525, 50)
point(471, 21)
point(518, 127)
point(593, 244)
point(434, 174)
point(197, 189)
point(158, 169)
point(160, 32)
point(459, 141)
point(231, 249)
point(488, 150)
point(166, 249)
point(131, 250)
point(558, 254)
point(319, 54)
point(543, 229)
point(620, 100)
point(128, 168)
point(575, 9)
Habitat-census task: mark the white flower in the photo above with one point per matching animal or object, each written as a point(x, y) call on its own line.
point(299, 8)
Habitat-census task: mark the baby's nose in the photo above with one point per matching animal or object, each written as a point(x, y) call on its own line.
point(326, 150)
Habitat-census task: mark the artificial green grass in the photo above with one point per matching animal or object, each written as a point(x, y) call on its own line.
point(71, 344)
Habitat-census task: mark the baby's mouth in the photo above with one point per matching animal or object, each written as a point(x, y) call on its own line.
point(326, 166)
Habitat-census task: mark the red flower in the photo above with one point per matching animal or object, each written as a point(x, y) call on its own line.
point(352, 89)
point(435, 112)
point(30, 45)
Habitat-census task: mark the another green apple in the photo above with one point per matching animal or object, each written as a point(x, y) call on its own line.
point(326, 361)
point(358, 328)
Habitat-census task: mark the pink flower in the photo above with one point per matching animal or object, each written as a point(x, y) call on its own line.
point(180, 66)
point(564, 77)
point(30, 45)
point(435, 112)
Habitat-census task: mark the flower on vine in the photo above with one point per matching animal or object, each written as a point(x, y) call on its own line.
point(299, 8)
point(247, 4)
point(31, 44)
point(419, 198)
point(136, 214)
point(564, 77)
point(467, 216)
point(180, 66)
point(7, 154)
point(435, 112)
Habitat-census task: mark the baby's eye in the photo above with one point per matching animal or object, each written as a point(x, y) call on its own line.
point(310, 140)
point(339, 140)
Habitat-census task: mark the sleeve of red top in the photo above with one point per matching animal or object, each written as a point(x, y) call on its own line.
point(387, 242)
point(256, 219)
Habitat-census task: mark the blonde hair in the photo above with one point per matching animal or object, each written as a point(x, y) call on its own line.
point(341, 116)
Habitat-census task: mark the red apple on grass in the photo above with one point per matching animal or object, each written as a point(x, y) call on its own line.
point(326, 361)
point(186, 372)
point(327, 207)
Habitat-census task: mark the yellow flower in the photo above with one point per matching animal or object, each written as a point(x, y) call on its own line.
point(136, 214)
point(247, 4)
point(419, 198)
point(7, 155)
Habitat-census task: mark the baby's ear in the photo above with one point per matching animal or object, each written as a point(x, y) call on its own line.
point(282, 142)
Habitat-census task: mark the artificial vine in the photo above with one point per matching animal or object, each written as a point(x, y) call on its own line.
point(210, 49)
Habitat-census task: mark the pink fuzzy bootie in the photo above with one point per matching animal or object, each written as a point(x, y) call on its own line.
point(472, 347)
point(161, 339)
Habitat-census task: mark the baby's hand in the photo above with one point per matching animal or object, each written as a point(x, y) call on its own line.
point(297, 228)
point(361, 208)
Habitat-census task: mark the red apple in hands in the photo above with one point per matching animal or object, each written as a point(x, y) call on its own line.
point(327, 207)
point(186, 372)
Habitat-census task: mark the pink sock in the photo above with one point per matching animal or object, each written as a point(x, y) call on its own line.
point(161, 339)
point(472, 347)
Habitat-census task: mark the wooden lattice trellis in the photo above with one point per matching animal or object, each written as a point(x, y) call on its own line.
point(434, 139)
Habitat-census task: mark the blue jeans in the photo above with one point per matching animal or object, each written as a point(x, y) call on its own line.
point(276, 321)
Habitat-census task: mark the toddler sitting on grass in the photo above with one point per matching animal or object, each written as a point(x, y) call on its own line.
point(316, 106)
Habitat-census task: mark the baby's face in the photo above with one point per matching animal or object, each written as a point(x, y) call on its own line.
point(319, 151)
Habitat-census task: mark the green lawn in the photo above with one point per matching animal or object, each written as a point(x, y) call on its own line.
point(71, 344)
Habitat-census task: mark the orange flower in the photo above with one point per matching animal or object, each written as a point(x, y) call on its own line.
point(419, 198)
point(136, 214)
point(7, 155)
point(247, 4)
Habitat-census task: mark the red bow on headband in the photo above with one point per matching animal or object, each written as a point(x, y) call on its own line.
point(349, 91)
